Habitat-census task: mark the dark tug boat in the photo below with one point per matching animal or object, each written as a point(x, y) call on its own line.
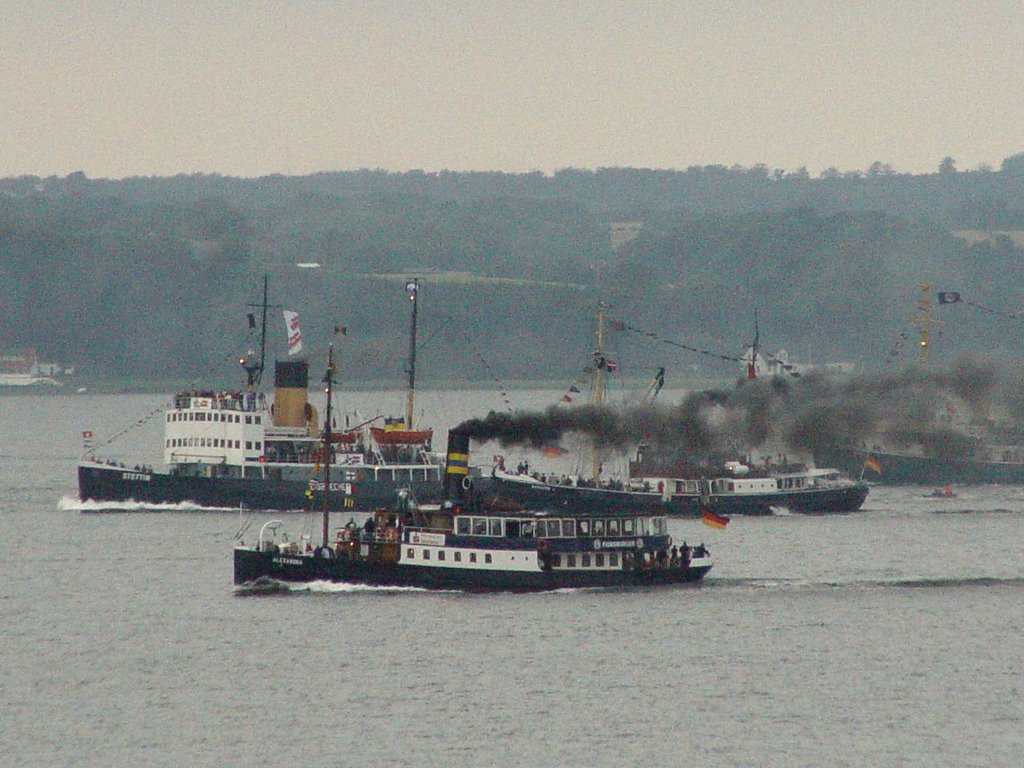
point(678, 485)
point(225, 449)
point(462, 545)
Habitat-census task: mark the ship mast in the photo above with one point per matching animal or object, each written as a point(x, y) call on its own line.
point(600, 364)
point(924, 321)
point(412, 289)
point(327, 444)
point(752, 365)
point(254, 370)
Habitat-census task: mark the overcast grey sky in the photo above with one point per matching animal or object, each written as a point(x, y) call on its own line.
point(119, 89)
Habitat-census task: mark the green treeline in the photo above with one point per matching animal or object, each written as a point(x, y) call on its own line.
point(148, 279)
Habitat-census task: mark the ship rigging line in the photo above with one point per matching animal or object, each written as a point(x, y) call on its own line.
point(620, 325)
point(479, 356)
point(999, 313)
point(138, 423)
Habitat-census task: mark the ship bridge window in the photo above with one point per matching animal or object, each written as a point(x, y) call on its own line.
point(629, 526)
point(659, 525)
point(462, 526)
point(527, 529)
point(512, 528)
point(479, 526)
point(584, 526)
point(569, 528)
point(613, 527)
point(553, 529)
point(599, 527)
point(495, 526)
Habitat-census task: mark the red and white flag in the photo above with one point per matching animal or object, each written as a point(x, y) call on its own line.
point(291, 321)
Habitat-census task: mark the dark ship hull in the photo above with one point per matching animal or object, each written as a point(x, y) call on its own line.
point(905, 469)
point(253, 567)
point(102, 483)
point(815, 501)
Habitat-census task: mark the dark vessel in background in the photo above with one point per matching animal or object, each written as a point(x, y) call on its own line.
point(990, 465)
point(731, 488)
point(959, 444)
point(676, 484)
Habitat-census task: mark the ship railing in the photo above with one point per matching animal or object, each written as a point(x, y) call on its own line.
point(177, 457)
point(222, 401)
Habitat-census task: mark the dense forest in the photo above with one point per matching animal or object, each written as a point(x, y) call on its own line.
point(150, 279)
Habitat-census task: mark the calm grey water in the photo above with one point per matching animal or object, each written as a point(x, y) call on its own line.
point(892, 637)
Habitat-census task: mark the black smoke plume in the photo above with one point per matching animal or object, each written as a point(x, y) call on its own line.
point(800, 415)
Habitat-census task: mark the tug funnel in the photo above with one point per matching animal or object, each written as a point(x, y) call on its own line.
point(456, 470)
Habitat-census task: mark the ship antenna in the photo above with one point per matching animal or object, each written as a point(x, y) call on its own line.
point(412, 288)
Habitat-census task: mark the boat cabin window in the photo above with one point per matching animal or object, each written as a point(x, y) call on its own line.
point(495, 526)
point(512, 529)
point(599, 561)
point(570, 561)
point(584, 526)
point(479, 526)
point(613, 559)
point(599, 527)
point(613, 527)
point(569, 528)
point(629, 526)
point(527, 529)
point(643, 527)
point(585, 561)
point(659, 525)
point(549, 528)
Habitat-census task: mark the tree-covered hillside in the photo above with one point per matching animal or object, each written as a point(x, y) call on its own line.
point(149, 278)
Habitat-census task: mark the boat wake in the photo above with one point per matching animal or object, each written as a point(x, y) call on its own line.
point(909, 583)
point(74, 504)
point(269, 586)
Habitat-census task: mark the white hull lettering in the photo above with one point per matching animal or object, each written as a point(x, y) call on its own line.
point(618, 543)
point(317, 485)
